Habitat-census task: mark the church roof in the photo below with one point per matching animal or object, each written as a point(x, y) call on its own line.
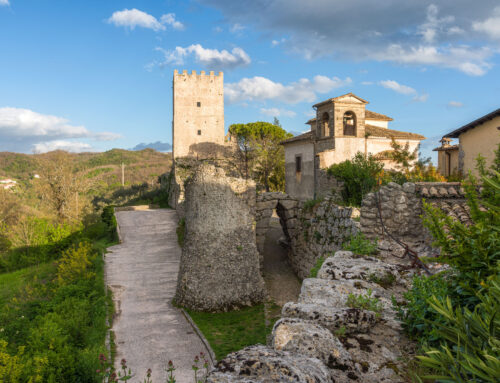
point(300, 137)
point(369, 115)
point(339, 97)
point(377, 131)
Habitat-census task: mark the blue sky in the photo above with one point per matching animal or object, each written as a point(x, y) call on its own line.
point(94, 75)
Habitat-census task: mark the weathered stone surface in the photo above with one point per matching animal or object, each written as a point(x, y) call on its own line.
point(344, 265)
point(262, 364)
point(220, 263)
point(312, 340)
point(331, 317)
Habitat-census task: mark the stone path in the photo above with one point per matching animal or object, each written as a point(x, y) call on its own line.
point(281, 282)
point(142, 273)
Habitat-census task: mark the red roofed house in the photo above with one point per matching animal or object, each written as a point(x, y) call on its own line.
point(342, 128)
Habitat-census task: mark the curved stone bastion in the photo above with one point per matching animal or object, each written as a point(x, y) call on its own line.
point(219, 267)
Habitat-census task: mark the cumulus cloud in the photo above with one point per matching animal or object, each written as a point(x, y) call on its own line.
point(404, 89)
point(489, 26)
point(69, 146)
point(277, 112)
point(132, 18)
point(397, 87)
point(4, 2)
point(20, 129)
point(210, 58)
point(410, 32)
point(455, 104)
point(261, 88)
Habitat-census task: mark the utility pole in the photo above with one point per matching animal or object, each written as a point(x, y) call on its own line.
point(123, 174)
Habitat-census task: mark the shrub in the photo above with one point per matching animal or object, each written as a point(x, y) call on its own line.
point(11, 366)
point(419, 320)
point(310, 204)
point(471, 351)
point(365, 302)
point(359, 176)
point(360, 245)
point(75, 264)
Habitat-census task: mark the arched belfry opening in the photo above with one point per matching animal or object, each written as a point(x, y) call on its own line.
point(349, 124)
point(325, 125)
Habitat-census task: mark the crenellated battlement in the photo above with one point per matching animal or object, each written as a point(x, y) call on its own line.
point(194, 74)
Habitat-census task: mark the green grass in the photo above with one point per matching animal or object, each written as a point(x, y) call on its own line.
point(314, 271)
point(231, 331)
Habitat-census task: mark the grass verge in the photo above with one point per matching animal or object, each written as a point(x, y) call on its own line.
point(231, 331)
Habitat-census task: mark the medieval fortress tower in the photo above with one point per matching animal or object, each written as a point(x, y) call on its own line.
point(198, 114)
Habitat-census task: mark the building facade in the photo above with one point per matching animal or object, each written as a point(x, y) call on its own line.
point(198, 114)
point(342, 127)
point(479, 137)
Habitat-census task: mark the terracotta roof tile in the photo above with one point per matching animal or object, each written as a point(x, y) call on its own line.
point(369, 115)
point(300, 137)
point(377, 131)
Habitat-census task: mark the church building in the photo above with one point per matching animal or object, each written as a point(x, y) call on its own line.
point(342, 127)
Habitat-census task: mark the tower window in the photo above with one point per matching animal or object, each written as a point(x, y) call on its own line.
point(199, 132)
point(298, 164)
point(198, 104)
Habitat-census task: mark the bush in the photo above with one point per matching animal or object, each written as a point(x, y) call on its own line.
point(75, 263)
point(419, 320)
point(11, 366)
point(360, 245)
point(471, 348)
point(359, 176)
point(310, 204)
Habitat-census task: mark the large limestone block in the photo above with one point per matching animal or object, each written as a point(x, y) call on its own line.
point(219, 267)
point(345, 265)
point(263, 364)
point(351, 320)
point(312, 340)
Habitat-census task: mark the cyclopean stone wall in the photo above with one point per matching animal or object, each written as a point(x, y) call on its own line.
point(401, 208)
point(219, 267)
point(322, 339)
point(311, 232)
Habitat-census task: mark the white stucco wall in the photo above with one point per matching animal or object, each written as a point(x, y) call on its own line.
point(380, 123)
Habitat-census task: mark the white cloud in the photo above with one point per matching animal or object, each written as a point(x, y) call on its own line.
point(217, 29)
point(261, 88)
point(169, 19)
point(22, 128)
point(276, 112)
point(489, 26)
point(471, 61)
point(404, 89)
point(236, 28)
point(397, 87)
point(409, 32)
point(131, 18)
point(211, 58)
point(69, 146)
point(4, 2)
point(455, 104)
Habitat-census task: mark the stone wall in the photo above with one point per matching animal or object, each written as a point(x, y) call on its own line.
point(219, 267)
point(321, 338)
point(318, 231)
point(401, 208)
point(311, 232)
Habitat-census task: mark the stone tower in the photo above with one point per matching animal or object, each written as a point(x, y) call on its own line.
point(198, 109)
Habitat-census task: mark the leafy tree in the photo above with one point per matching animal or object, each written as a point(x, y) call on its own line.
point(262, 153)
point(359, 176)
point(402, 155)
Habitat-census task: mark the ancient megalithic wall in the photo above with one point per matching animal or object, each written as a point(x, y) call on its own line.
point(220, 263)
point(318, 232)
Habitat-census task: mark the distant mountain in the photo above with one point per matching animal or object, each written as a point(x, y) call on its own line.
point(159, 146)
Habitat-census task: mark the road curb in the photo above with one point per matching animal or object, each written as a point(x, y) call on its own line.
point(211, 353)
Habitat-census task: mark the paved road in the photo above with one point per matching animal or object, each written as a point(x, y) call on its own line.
point(142, 273)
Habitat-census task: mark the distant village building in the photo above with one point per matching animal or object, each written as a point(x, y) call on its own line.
point(480, 136)
point(342, 128)
point(7, 183)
